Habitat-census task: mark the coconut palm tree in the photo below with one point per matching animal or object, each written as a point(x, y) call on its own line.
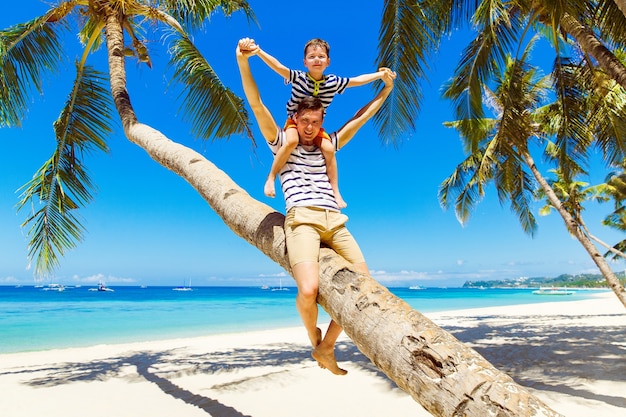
point(27, 51)
point(595, 30)
point(411, 33)
point(500, 148)
point(441, 373)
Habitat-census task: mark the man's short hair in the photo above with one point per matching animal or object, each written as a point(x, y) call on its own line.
point(310, 103)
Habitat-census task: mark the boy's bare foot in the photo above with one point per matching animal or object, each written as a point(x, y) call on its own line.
point(326, 358)
point(269, 189)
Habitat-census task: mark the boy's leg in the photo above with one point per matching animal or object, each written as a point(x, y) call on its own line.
point(331, 169)
point(291, 141)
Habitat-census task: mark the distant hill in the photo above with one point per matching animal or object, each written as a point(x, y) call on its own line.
point(565, 280)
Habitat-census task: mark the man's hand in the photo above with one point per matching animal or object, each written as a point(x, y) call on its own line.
point(388, 76)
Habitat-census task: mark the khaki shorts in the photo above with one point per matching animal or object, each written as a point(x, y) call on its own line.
point(308, 227)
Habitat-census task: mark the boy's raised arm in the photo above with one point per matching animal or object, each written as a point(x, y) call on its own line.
point(366, 78)
point(248, 46)
point(273, 63)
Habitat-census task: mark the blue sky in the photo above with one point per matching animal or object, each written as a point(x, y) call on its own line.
point(146, 226)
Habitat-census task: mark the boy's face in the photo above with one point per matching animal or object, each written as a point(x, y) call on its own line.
point(308, 124)
point(316, 60)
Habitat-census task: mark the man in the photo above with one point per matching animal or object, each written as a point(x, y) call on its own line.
point(313, 215)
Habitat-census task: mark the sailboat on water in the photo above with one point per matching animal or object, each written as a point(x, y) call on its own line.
point(183, 287)
point(280, 288)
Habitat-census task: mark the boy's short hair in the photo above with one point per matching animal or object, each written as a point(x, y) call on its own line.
point(319, 43)
point(310, 103)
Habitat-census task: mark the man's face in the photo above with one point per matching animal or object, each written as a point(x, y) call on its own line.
point(308, 123)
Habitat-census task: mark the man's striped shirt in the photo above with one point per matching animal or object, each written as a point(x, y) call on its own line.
point(303, 178)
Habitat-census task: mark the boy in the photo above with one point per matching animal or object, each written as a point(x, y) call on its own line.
point(315, 83)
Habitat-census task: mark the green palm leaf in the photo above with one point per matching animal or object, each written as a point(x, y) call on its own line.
point(27, 51)
point(62, 184)
point(407, 36)
point(211, 107)
point(196, 13)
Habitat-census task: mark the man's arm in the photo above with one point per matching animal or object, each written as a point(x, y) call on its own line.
point(348, 130)
point(264, 118)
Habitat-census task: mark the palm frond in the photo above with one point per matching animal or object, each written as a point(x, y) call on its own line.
point(516, 185)
point(498, 33)
point(465, 187)
point(89, 30)
point(607, 102)
point(408, 35)
point(573, 136)
point(27, 51)
point(62, 184)
point(211, 107)
point(473, 132)
point(606, 15)
point(194, 13)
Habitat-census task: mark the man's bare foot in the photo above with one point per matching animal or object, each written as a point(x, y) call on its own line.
point(316, 339)
point(326, 358)
point(269, 189)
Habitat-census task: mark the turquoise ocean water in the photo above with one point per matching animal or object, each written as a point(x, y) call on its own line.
point(32, 319)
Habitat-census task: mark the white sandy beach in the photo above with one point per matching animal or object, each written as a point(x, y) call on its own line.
point(570, 354)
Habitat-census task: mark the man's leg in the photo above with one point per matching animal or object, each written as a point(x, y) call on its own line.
point(307, 278)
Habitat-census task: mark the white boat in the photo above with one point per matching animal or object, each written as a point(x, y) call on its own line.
point(54, 287)
point(101, 287)
point(553, 291)
point(417, 287)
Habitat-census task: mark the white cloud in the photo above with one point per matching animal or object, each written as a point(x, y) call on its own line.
point(9, 280)
point(280, 274)
point(94, 279)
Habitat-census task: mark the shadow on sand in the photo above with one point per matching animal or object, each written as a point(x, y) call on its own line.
point(539, 354)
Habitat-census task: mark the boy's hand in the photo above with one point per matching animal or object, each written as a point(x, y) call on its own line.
point(248, 46)
point(385, 71)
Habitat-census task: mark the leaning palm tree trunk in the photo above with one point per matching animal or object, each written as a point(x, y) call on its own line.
point(591, 45)
point(438, 371)
point(621, 4)
point(577, 231)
